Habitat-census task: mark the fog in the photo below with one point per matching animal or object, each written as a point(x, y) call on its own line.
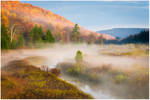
point(56, 53)
point(59, 53)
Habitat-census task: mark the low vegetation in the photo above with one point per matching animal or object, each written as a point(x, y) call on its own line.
point(23, 81)
point(127, 83)
point(128, 50)
point(131, 82)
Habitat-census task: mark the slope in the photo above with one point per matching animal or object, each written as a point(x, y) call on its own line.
point(25, 16)
point(21, 80)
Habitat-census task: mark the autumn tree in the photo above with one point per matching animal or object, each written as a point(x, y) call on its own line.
point(76, 33)
point(4, 19)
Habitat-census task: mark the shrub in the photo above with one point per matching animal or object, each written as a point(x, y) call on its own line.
point(73, 71)
point(120, 79)
point(79, 56)
point(55, 71)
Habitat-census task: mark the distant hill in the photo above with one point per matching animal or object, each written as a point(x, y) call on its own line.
point(122, 32)
point(141, 37)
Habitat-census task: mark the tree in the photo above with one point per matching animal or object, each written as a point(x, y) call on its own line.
point(76, 33)
point(12, 32)
point(102, 40)
point(142, 37)
point(49, 37)
point(36, 34)
point(21, 41)
point(4, 19)
point(79, 56)
point(13, 44)
point(5, 39)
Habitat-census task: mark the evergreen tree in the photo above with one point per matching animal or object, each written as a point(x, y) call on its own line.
point(79, 56)
point(21, 41)
point(13, 44)
point(36, 34)
point(76, 33)
point(5, 39)
point(49, 37)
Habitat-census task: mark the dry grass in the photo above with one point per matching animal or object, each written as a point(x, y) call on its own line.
point(127, 50)
point(130, 82)
point(23, 81)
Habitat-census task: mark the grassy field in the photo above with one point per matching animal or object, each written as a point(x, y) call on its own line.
point(127, 50)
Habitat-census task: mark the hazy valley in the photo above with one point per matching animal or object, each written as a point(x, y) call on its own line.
point(46, 56)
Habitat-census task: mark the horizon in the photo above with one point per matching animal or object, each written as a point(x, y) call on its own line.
point(113, 14)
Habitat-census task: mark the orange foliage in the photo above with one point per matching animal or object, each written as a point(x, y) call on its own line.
point(29, 15)
point(4, 19)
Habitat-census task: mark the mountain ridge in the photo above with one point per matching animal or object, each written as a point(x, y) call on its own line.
point(26, 16)
point(122, 32)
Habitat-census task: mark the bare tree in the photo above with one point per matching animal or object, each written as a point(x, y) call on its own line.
point(12, 32)
point(44, 68)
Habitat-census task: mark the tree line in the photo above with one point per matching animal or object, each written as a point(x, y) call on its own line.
point(142, 37)
point(36, 35)
point(10, 40)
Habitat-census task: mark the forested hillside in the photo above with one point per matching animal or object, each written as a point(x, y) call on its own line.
point(141, 37)
point(22, 18)
point(122, 32)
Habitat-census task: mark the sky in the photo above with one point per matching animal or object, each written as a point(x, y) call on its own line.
point(100, 15)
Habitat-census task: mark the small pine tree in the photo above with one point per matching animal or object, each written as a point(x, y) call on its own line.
point(79, 56)
point(49, 37)
point(13, 44)
point(36, 34)
point(5, 39)
point(101, 41)
point(21, 41)
point(76, 33)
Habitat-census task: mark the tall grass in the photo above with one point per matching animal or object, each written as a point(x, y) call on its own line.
point(128, 83)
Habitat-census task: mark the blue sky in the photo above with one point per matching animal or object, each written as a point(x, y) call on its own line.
point(99, 15)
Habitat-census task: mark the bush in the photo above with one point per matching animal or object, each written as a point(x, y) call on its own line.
point(79, 56)
point(120, 79)
point(73, 71)
point(55, 71)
